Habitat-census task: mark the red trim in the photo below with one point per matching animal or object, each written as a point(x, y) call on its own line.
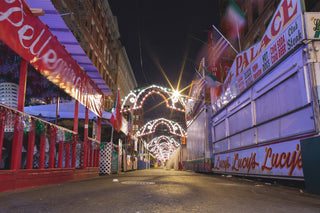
point(26, 178)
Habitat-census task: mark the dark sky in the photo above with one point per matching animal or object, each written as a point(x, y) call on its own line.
point(169, 31)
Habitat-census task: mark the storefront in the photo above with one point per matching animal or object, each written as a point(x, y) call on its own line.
point(269, 101)
point(59, 150)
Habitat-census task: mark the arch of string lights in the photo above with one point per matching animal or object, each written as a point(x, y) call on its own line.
point(134, 100)
point(162, 147)
point(156, 141)
point(151, 127)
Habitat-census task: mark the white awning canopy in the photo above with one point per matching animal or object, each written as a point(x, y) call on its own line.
point(66, 110)
point(57, 26)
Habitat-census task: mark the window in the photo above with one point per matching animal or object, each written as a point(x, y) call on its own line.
point(92, 29)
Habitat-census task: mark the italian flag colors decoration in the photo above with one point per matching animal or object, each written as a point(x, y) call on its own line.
point(116, 117)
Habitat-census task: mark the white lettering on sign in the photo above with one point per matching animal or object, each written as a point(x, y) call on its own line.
point(39, 46)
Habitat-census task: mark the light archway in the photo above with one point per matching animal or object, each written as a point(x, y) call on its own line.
point(162, 147)
point(151, 126)
point(135, 99)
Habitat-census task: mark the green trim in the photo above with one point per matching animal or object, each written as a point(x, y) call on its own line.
point(303, 5)
point(202, 160)
point(236, 8)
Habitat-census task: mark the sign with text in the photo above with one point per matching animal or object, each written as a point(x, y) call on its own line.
point(283, 34)
point(29, 37)
point(280, 159)
point(312, 25)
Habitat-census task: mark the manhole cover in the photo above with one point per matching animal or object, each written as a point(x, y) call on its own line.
point(138, 182)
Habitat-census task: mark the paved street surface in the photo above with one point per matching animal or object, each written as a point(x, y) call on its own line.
point(160, 190)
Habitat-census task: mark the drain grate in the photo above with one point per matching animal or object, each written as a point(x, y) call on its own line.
point(138, 183)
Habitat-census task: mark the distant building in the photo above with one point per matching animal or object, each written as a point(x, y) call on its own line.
point(125, 77)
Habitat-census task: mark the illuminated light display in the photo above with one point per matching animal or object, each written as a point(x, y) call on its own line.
point(134, 100)
point(151, 127)
point(162, 147)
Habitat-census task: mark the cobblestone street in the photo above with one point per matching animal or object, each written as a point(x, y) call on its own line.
point(160, 190)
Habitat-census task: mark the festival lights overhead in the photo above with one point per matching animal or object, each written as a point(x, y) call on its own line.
point(162, 147)
point(151, 127)
point(134, 100)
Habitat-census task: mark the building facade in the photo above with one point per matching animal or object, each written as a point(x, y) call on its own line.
point(96, 29)
point(258, 15)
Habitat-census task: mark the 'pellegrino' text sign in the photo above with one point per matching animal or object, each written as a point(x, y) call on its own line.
point(29, 37)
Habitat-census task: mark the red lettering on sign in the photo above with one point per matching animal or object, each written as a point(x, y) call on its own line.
point(276, 24)
point(222, 164)
point(290, 160)
point(286, 8)
point(245, 162)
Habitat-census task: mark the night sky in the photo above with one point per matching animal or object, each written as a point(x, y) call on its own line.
point(169, 30)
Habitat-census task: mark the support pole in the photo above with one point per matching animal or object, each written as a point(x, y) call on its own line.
point(67, 159)
point(42, 151)
point(60, 154)
point(85, 139)
point(74, 152)
point(2, 125)
point(75, 137)
point(99, 129)
point(18, 131)
point(31, 139)
point(76, 117)
point(52, 147)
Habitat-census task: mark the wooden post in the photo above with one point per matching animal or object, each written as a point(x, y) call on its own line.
point(60, 154)
point(76, 117)
point(74, 152)
point(91, 153)
point(53, 135)
point(42, 151)
point(85, 139)
point(2, 125)
point(31, 138)
point(99, 129)
point(18, 131)
point(67, 159)
point(74, 138)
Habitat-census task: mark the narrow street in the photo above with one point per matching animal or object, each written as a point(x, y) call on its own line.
point(160, 190)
